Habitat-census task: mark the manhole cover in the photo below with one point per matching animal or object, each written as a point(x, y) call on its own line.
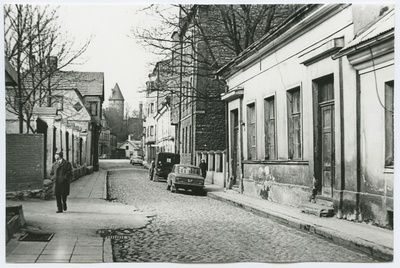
point(36, 237)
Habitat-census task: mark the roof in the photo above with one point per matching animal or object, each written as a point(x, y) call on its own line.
point(10, 74)
point(88, 83)
point(116, 93)
point(381, 28)
point(291, 21)
point(134, 144)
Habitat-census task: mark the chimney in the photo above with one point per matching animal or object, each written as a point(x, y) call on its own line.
point(52, 62)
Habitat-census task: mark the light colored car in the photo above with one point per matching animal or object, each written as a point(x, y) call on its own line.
point(185, 177)
point(136, 160)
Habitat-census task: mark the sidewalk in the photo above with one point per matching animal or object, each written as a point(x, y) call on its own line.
point(76, 237)
point(372, 240)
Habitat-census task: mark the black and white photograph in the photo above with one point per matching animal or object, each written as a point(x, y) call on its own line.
point(182, 133)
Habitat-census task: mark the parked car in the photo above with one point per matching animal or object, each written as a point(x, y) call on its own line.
point(103, 156)
point(162, 165)
point(185, 177)
point(135, 159)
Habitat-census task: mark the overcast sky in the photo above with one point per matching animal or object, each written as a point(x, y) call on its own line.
point(112, 49)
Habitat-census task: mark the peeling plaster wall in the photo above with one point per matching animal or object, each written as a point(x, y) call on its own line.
point(376, 179)
point(282, 183)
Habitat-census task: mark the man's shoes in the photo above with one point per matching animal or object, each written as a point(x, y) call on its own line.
point(59, 211)
point(65, 207)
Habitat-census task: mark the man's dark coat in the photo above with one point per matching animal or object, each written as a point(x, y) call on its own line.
point(62, 175)
point(203, 167)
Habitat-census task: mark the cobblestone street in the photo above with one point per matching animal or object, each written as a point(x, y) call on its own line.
point(190, 228)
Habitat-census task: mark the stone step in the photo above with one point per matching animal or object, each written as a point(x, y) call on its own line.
point(317, 210)
point(324, 201)
point(236, 188)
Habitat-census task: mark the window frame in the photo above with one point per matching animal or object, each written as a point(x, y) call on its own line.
point(291, 114)
point(267, 121)
point(251, 126)
point(91, 103)
point(57, 99)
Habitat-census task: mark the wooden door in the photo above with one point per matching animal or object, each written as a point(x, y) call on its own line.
point(328, 148)
point(235, 145)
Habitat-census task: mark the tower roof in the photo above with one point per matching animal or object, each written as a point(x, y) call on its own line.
point(116, 93)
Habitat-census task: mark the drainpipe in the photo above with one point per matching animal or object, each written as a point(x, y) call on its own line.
point(240, 153)
point(227, 124)
point(358, 131)
point(342, 137)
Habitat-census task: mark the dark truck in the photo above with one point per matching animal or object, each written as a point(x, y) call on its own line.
point(162, 165)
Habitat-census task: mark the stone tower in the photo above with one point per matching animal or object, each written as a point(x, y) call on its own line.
point(116, 101)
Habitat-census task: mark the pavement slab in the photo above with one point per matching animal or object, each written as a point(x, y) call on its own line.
point(76, 236)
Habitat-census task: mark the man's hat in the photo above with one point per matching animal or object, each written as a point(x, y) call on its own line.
point(60, 153)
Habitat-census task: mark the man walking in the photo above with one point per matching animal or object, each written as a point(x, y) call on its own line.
point(203, 168)
point(62, 174)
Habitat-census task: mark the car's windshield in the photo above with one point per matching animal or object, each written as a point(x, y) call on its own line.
point(188, 170)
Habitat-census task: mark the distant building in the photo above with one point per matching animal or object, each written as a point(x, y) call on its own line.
point(68, 119)
point(131, 147)
point(159, 134)
point(134, 124)
point(116, 102)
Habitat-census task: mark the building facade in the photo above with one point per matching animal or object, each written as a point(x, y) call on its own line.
point(69, 120)
point(131, 147)
point(299, 115)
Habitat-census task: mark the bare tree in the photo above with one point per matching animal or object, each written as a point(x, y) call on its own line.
point(199, 39)
point(38, 49)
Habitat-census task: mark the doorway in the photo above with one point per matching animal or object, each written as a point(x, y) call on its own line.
point(324, 135)
point(235, 144)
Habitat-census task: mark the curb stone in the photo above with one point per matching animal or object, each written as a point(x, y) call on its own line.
point(367, 247)
point(107, 250)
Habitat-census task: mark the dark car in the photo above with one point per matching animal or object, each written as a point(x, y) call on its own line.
point(162, 165)
point(186, 177)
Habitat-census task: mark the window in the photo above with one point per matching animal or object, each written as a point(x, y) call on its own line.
point(294, 123)
point(389, 131)
point(152, 107)
point(190, 139)
point(187, 97)
point(57, 101)
point(269, 128)
point(183, 140)
point(184, 91)
point(251, 131)
point(127, 147)
point(187, 141)
point(93, 108)
point(151, 130)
